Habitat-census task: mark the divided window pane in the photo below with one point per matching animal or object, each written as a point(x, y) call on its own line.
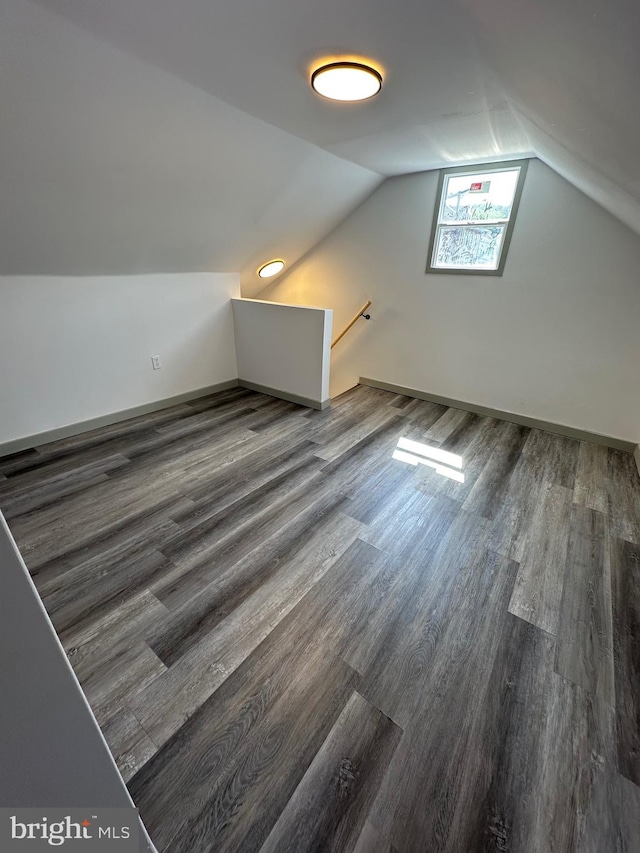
point(474, 218)
point(476, 247)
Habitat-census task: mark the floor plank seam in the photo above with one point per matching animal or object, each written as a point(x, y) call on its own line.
point(137, 718)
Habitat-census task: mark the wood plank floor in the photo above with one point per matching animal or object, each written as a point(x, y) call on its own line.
point(389, 626)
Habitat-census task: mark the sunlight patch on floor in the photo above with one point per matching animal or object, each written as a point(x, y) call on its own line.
point(443, 462)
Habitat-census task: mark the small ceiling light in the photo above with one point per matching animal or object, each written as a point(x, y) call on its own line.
point(346, 81)
point(271, 268)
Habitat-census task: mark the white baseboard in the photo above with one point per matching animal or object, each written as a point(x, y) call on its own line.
point(285, 395)
point(36, 440)
point(523, 420)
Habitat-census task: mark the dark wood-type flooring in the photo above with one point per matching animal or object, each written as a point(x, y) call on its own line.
point(295, 641)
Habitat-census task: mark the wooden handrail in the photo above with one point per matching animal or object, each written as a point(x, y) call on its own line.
point(352, 323)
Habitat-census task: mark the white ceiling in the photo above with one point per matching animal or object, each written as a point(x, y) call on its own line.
point(112, 166)
point(257, 54)
point(182, 134)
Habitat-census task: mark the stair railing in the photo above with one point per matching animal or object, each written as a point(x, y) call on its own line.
point(361, 313)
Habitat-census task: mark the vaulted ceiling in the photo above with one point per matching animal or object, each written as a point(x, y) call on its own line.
point(178, 135)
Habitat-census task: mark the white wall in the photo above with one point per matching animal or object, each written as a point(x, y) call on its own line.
point(556, 337)
point(284, 347)
point(77, 348)
point(111, 165)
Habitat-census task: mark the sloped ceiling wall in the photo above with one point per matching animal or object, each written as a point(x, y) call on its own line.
point(113, 166)
point(157, 135)
point(570, 71)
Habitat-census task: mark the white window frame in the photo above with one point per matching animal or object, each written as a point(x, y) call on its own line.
point(476, 171)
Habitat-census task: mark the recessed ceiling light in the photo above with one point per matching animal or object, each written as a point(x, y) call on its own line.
point(271, 268)
point(346, 81)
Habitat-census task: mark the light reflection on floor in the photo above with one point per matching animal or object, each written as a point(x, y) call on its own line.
point(416, 453)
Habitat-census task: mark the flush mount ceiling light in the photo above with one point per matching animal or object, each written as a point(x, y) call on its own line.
point(271, 268)
point(346, 81)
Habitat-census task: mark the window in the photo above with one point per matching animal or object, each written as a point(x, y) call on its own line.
point(475, 212)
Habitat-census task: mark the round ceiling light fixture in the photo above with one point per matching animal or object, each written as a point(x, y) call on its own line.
point(346, 81)
point(271, 268)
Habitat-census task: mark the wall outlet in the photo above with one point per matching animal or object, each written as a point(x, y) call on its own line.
point(155, 361)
